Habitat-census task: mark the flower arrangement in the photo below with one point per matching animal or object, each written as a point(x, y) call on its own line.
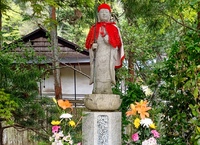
point(62, 127)
point(145, 132)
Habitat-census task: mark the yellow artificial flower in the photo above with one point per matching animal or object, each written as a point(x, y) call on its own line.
point(55, 101)
point(137, 122)
point(152, 126)
point(72, 123)
point(55, 122)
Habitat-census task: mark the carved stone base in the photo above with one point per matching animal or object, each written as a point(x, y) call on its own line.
point(102, 102)
point(101, 128)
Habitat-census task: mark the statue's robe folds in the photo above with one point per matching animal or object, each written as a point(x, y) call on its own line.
point(108, 56)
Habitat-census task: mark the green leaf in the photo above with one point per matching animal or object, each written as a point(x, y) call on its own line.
point(195, 94)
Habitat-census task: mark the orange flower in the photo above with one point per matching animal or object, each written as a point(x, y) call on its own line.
point(64, 104)
point(132, 111)
point(142, 108)
point(143, 112)
point(141, 103)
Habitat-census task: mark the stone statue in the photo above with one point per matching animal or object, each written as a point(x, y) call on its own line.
point(106, 51)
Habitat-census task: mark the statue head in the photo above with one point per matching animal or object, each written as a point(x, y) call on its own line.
point(104, 13)
point(104, 6)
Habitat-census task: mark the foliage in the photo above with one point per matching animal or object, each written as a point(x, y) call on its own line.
point(176, 81)
point(159, 15)
point(74, 25)
point(145, 48)
point(11, 22)
point(179, 89)
point(7, 106)
point(29, 109)
point(15, 69)
point(73, 18)
point(195, 138)
point(19, 79)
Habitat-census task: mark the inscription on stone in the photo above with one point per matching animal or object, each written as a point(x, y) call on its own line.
point(102, 129)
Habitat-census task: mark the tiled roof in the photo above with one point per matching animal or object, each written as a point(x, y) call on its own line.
point(38, 40)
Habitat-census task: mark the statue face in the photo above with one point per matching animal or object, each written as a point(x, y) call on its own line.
point(104, 15)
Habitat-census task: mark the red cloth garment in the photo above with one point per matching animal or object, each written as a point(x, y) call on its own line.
point(112, 31)
point(113, 35)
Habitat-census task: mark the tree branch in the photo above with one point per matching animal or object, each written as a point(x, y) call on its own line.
point(182, 24)
point(71, 67)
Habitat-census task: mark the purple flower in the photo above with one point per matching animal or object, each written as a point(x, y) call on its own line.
point(55, 128)
point(155, 133)
point(135, 137)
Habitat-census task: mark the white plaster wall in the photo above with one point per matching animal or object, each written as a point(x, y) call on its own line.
point(48, 83)
point(67, 82)
point(83, 86)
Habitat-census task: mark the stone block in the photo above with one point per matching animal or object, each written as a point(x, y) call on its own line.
point(101, 128)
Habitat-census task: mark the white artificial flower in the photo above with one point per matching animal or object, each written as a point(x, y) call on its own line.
point(150, 141)
point(67, 138)
point(70, 142)
point(66, 115)
point(51, 138)
point(146, 122)
point(59, 142)
point(145, 142)
point(58, 135)
point(146, 90)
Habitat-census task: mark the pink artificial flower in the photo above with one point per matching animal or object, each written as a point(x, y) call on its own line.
point(155, 133)
point(55, 128)
point(135, 137)
point(79, 143)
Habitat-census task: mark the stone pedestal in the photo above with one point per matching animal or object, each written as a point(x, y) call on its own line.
point(102, 102)
point(102, 125)
point(101, 128)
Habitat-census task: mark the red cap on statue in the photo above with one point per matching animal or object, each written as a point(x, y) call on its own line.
point(104, 6)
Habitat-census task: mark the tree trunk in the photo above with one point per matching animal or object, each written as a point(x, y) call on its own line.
point(56, 64)
point(198, 17)
point(1, 41)
point(1, 133)
point(1, 37)
point(131, 67)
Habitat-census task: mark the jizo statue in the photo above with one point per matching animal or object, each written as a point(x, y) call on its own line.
point(106, 51)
